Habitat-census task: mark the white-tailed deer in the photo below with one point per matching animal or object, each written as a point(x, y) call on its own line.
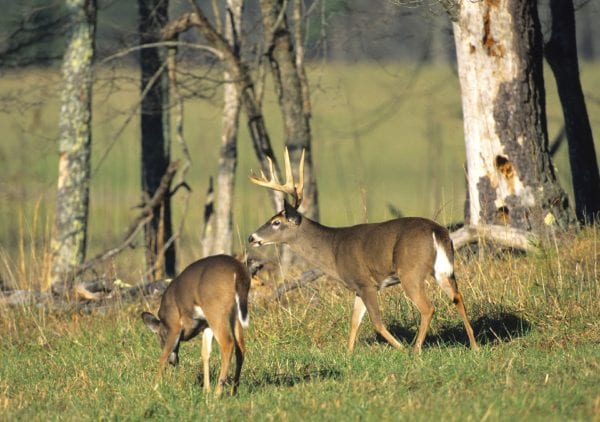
point(209, 296)
point(368, 257)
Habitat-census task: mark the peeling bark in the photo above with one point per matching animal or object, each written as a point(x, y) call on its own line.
point(511, 178)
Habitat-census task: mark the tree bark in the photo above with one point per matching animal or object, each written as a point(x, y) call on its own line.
point(293, 102)
point(155, 137)
point(68, 244)
point(561, 53)
point(223, 232)
point(511, 179)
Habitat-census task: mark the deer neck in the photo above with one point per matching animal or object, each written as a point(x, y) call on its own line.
point(315, 243)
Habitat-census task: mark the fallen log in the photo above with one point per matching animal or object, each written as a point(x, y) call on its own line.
point(501, 235)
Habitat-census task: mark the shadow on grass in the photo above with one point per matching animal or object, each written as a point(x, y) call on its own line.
point(495, 327)
point(308, 373)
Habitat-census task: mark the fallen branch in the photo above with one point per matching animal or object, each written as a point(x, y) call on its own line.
point(306, 277)
point(502, 235)
point(134, 228)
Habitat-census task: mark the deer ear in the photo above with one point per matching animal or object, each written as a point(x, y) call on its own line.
point(291, 213)
point(151, 321)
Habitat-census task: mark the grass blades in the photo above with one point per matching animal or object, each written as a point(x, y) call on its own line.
point(540, 357)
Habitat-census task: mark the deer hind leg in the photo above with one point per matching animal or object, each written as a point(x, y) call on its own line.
point(225, 340)
point(207, 337)
point(358, 313)
point(240, 349)
point(369, 298)
point(414, 287)
point(449, 286)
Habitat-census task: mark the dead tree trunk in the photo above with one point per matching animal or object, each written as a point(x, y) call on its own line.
point(293, 99)
point(223, 231)
point(68, 245)
point(561, 53)
point(511, 179)
point(155, 137)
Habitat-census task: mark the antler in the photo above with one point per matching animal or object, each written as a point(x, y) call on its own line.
point(289, 187)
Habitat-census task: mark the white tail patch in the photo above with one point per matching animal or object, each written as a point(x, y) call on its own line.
point(442, 265)
point(244, 321)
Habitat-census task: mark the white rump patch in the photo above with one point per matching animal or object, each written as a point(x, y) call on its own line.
point(442, 265)
point(244, 321)
point(198, 313)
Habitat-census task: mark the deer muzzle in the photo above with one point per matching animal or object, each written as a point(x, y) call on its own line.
point(254, 240)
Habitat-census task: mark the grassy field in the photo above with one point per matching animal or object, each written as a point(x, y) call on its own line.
point(536, 318)
point(383, 135)
point(386, 134)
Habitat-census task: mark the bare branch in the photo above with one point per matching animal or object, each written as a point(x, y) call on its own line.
point(305, 278)
point(134, 228)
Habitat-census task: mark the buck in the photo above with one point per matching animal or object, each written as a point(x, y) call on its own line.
point(367, 257)
point(210, 296)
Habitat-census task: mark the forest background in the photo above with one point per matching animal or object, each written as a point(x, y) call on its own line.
point(387, 137)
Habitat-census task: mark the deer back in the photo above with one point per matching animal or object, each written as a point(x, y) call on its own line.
point(208, 287)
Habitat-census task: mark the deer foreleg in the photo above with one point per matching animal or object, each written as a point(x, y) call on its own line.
point(369, 297)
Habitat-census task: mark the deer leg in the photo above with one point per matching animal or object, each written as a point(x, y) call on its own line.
point(369, 298)
point(225, 341)
point(415, 291)
point(449, 286)
point(240, 349)
point(358, 313)
point(207, 337)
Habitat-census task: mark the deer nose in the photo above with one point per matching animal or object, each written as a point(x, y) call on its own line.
point(254, 240)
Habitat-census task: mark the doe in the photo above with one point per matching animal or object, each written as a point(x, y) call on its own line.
point(210, 296)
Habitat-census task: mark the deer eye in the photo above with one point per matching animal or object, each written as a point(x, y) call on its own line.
point(276, 223)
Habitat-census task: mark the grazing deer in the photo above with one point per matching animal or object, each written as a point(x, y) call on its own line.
point(209, 296)
point(367, 257)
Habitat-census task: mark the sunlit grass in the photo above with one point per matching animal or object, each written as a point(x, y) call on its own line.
point(539, 360)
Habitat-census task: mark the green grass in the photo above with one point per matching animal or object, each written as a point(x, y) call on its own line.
point(536, 318)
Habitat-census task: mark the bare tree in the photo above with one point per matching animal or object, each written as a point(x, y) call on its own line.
point(239, 73)
point(287, 70)
point(223, 221)
point(561, 53)
point(68, 245)
point(153, 15)
point(511, 179)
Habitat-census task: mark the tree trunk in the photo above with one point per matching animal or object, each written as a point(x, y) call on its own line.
point(244, 84)
point(223, 232)
point(68, 245)
point(561, 53)
point(292, 100)
point(153, 15)
point(511, 178)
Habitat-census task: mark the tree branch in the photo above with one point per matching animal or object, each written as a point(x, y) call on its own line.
point(143, 218)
